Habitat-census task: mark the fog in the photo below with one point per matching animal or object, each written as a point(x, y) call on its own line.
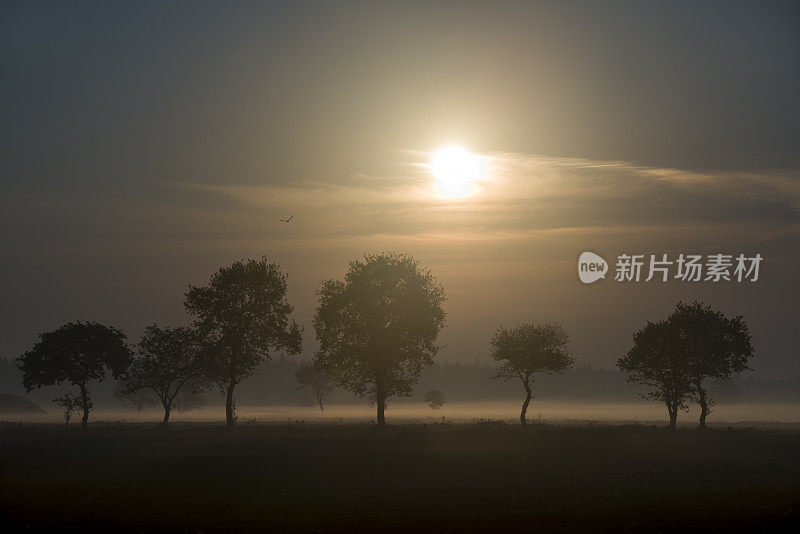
point(553, 412)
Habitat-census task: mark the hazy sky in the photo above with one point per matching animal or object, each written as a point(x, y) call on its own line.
point(144, 145)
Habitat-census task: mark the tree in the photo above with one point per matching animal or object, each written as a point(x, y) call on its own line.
point(71, 404)
point(190, 397)
point(714, 346)
point(528, 349)
point(167, 360)
point(320, 383)
point(434, 398)
point(242, 315)
point(77, 353)
point(656, 361)
point(139, 398)
point(377, 328)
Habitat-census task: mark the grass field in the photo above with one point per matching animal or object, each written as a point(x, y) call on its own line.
point(412, 477)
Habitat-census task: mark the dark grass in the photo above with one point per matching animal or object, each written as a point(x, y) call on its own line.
point(489, 477)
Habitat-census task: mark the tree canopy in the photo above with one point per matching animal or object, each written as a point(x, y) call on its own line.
point(167, 360)
point(656, 360)
point(713, 345)
point(242, 315)
point(77, 353)
point(377, 328)
point(527, 349)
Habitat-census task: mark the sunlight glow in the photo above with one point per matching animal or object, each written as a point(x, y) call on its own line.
point(456, 171)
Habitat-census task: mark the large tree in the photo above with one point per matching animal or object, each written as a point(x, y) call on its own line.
point(77, 353)
point(656, 361)
point(714, 346)
point(319, 382)
point(241, 316)
point(377, 328)
point(527, 349)
point(167, 360)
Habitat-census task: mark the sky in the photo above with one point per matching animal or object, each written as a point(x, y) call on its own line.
point(145, 145)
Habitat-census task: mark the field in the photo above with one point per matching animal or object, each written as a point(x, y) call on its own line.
point(410, 477)
point(550, 411)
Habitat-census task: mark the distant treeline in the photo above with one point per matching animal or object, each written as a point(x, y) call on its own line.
point(274, 384)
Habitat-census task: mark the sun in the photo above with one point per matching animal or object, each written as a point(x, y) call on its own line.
point(456, 171)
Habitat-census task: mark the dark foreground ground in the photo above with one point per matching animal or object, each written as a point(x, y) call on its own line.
point(457, 478)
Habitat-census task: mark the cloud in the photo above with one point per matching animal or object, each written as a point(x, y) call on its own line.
point(555, 204)
point(527, 193)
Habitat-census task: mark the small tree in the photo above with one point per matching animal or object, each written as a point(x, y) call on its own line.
point(528, 349)
point(137, 398)
point(656, 361)
point(77, 353)
point(378, 327)
point(242, 315)
point(71, 404)
point(166, 362)
point(320, 383)
point(190, 397)
point(714, 346)
point(434, 398)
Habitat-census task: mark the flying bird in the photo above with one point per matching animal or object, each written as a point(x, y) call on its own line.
point(287, 220)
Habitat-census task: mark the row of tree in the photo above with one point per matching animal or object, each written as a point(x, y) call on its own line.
point(377, 329)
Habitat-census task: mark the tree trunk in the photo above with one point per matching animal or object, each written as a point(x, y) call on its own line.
point(167, 409)
point(673, 417)
point(319, 394)
point(85, 405)
point(380, 399)
point(525, 404)
point(229, 415)
point(704, 408)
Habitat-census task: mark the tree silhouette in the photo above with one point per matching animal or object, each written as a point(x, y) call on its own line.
point(139, 398)
point(714, 346)
point(167, 360)
point(71, 404)
point(656, 361)
point(242, 315)
point(320, 383)
point(527, 349)
point(434, 398)
point(377, 328)
point(77, 353)
point(190, 396)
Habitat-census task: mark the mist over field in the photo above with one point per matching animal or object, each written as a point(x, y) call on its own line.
point(582, 395)
point(548, 412)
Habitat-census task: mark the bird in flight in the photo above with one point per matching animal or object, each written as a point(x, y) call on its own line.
point(287, 220)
